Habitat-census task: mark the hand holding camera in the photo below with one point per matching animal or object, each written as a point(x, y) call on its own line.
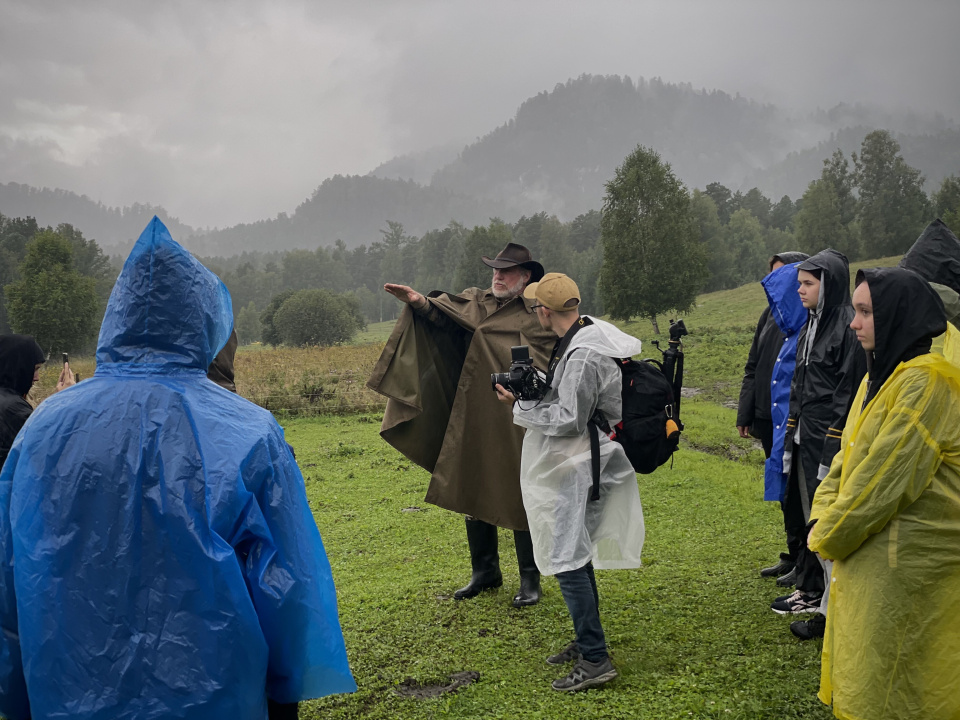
point(522, 380)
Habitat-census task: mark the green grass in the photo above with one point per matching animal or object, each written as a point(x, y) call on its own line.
point(375, 333)
point(691, 632)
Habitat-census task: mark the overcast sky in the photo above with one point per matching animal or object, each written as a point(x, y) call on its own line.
point(227, 112)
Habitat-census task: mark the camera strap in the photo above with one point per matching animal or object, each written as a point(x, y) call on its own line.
point(560, 348)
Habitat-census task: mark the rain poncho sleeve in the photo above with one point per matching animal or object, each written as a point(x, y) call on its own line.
point(577, 396)
point(888, 513)
point(158, 557)
point(569, 530)
point(903, 456)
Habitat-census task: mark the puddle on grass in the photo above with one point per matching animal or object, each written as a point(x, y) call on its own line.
point(412, 689)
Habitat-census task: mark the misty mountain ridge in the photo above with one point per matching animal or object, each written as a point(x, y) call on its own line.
point(554, 155)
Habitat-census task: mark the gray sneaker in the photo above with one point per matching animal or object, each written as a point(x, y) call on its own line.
point(570, 653)
point(586, 674)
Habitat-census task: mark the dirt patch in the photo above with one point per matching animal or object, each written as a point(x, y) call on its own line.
point(728, 452)
point(412, 689)
point(689, 392)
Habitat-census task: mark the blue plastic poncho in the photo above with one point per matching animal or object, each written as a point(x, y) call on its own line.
point(157, 554)
point(790, 315)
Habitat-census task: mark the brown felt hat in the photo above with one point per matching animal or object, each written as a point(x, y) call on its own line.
point(513, 255)
point(556, 291)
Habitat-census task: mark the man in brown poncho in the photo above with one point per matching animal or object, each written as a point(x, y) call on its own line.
point(443, 414)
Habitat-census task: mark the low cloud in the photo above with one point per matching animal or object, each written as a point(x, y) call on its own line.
point(230, 112)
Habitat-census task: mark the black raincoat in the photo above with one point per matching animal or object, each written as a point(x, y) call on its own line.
point(19, 356)
point(830, 366)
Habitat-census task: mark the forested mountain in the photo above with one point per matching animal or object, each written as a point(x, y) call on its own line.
point(553, 156)
point(419, 166)
point(109, 226)
point(353, 209)
point(935, 154)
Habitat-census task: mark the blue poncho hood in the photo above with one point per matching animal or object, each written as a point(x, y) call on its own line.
point(790, 315)
point(166, 312)
point(158, 557)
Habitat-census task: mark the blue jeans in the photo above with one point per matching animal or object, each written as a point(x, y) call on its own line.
point(579, 588)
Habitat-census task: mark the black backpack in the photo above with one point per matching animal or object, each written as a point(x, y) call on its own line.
point(649, 431)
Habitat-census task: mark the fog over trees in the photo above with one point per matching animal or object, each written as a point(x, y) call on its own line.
point(553, 156)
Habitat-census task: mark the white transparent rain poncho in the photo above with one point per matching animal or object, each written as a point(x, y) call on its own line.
point(568, 529)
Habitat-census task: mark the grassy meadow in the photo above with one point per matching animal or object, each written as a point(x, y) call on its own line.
point(690, 632)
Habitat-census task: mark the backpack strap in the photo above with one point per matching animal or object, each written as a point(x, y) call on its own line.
point(594, 459)
point(596, 420)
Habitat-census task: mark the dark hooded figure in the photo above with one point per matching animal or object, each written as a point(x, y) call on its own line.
point(158, 557)
point(828, 370)
point(754, 409)
point(888, 516)
point(19, 357)
point(935, 257)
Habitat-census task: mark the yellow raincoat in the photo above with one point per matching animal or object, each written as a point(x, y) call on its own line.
point(888, 514)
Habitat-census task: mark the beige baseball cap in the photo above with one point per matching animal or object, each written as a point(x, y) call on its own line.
point(555, 291)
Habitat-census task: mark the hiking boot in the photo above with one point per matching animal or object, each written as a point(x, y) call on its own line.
point(586, 674)
point(810, 629)
point(781, 568)
point(789, 579)
point(570, 653)
point(799, 602)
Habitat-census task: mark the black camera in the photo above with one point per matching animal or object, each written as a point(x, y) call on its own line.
point(677, 330)
point(522, 379)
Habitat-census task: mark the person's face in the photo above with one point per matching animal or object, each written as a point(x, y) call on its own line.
point(36, 374)
point(509, 282)
point(776, 265)
point(809, 289)
point(862, 322)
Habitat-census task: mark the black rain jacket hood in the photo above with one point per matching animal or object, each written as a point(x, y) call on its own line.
point(19, 356)
point(935, 256)
point(789, 257)
point(907, 315)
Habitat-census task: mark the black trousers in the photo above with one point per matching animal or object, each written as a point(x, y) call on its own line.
point(762, 430)
point(796, 515)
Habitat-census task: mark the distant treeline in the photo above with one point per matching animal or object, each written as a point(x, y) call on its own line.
point(869, 205)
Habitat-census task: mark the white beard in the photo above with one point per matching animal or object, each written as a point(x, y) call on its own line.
point(512, 291)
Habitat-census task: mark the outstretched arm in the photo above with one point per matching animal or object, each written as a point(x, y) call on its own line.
point(407, 295)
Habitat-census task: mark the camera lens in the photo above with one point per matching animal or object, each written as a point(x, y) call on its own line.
point(499, 379)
